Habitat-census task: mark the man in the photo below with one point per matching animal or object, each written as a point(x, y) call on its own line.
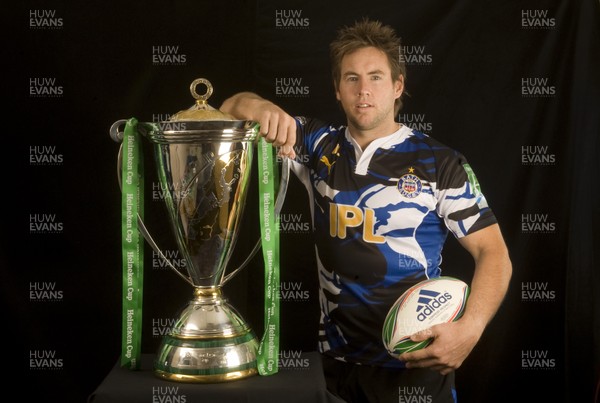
point(385, 197)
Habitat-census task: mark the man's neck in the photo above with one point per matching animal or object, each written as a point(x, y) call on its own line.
point(364, 137)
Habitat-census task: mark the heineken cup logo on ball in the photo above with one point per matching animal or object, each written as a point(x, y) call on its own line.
point(203, 159)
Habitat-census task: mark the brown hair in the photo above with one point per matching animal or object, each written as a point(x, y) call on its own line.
point(364, 34)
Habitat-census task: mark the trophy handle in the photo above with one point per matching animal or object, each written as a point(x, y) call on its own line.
point(117, 136)
point(283, 186)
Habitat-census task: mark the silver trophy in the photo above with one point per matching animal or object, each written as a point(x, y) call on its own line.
point(204, 160)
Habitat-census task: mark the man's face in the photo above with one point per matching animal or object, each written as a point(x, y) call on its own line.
point(367, 92)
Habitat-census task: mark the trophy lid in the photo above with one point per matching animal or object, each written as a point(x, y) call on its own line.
point(201, 123)
point(201, 110)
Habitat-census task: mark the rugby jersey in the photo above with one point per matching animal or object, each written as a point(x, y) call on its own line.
point(381, 216)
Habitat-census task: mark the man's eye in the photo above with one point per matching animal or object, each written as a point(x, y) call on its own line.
point(376, 77)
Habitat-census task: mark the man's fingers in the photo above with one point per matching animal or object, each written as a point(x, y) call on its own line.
point(422, 335)
point(279, 128)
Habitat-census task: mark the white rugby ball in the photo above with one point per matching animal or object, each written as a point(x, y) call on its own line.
point(430, 302)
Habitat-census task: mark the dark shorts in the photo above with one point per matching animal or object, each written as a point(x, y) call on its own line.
point(367, 384)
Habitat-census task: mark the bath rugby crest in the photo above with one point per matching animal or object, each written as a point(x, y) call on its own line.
point(409, 184)
point(381, 217)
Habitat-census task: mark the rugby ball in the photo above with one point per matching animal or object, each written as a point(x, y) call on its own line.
point(430, 302)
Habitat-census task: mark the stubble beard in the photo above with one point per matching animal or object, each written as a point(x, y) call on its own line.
point(372, 124)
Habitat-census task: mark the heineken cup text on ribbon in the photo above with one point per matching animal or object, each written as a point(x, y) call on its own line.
point(268, 350)
point(132, 247)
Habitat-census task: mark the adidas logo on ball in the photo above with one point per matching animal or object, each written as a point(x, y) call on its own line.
point(429, 301)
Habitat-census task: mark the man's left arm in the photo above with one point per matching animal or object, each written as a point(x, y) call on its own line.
point(454, 341)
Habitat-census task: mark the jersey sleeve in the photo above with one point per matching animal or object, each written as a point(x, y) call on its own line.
point(309, 133)
point(461, 202)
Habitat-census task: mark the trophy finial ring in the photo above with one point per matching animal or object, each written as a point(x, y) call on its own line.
point(207, 94)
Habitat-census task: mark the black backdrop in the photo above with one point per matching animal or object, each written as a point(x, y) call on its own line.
point(514, 85)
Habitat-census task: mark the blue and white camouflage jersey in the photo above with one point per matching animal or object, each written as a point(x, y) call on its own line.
point(381, 217)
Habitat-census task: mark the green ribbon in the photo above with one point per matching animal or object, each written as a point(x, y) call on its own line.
point(268, 349)
point(132, 207)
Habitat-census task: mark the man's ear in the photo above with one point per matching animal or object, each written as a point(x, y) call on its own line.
point(399, 84)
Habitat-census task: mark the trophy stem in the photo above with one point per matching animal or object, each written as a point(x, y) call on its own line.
point(209, 343)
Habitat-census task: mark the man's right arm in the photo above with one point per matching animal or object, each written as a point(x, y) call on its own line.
point(276, 126)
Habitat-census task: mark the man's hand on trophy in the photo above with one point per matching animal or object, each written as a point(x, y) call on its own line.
point(276, 126)
point(279, 128)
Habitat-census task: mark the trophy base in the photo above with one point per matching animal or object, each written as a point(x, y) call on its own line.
point(210, 343)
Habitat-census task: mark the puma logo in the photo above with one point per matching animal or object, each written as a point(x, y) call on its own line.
point(329, 164)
